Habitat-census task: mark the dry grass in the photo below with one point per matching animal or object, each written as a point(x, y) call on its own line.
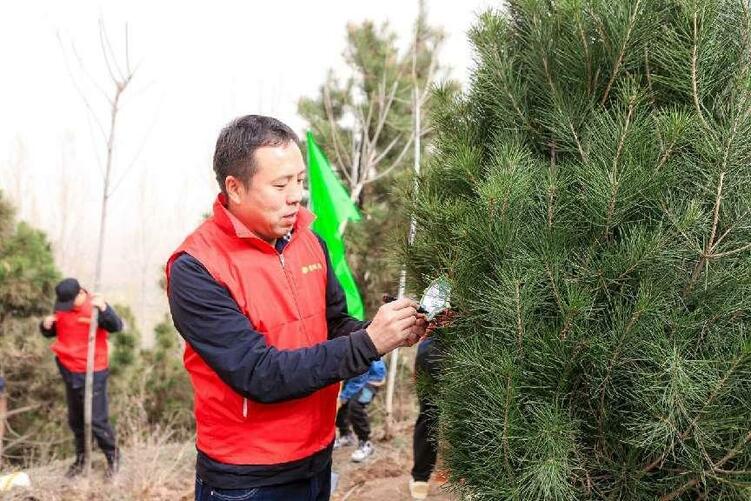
point(154, 469)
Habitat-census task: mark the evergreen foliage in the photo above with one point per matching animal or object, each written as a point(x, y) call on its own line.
point(27, 268)
point(27, 280)
point(169, 394)
point(124, 344)
point(589, 199)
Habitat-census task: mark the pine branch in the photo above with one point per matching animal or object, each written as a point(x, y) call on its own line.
point(731, 227)
point(717, 467)
point(555, 289)
point(713, 396)
point(501, 77)
point(694, 78)
point(710, 243)
point(683, 436)
point(616, 158)
point(519, 325)
point(556, 100)
point(648, 74)
point(616, 355)
point(587, 55)
point(506, 447)
point(551, 189)
point(665, 155)
point(621, 54)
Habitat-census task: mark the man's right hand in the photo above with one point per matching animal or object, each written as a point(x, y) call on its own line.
point(48, 321)
point(392, 325)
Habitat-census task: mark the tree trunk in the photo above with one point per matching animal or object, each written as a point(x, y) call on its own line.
point(90, 352)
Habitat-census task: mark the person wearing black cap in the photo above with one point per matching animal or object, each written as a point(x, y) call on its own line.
point(70, 325)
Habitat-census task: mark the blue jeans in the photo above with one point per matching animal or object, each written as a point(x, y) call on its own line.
point(317, 488)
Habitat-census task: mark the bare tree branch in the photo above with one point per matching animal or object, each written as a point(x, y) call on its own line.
point(396, 162)
point(87, 74)
point(127, 51)
point(127, 170)
point(332, 123)
point(79, 90)
point(109, 53)
point(386, 151)
point(102, 45)
point(384, 111)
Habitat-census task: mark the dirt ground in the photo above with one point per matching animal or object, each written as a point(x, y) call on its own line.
point(385, 475)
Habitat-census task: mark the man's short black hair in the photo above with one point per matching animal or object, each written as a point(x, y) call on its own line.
point(239, 140)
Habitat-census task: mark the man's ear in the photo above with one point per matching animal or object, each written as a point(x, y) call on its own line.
point(232, 186)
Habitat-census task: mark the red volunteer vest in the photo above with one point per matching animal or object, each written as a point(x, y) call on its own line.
point(72, 329)
point(284, 297)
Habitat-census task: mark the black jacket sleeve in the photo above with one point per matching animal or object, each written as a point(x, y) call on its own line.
point(205, 314)
point(51, 332)
point(109, 321)
point(339, 321)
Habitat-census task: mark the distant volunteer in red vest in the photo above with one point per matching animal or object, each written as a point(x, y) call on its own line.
point(70, 324)
point(265, 321)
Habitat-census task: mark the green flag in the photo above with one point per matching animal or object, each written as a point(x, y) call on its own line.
point(330, 202)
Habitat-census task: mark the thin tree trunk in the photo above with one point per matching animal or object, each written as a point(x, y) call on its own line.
point(391, 382)
point(94, 322)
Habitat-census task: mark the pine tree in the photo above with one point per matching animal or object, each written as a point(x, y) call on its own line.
point(27, 268)
point(589, 200)
point(27, 279)
point(124, 344)
point(169, 395)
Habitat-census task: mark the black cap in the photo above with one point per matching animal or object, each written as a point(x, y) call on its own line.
point(66, 292)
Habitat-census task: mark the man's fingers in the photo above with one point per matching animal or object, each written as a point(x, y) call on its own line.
point(406, 323)
point(404, 302)
point(410, 340)
point(404, 313)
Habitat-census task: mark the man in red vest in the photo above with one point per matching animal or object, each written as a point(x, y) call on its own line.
point(70, 324)
point(268, 338)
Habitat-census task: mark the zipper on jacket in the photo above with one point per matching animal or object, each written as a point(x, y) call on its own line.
point(292, 287)
point(245, 407)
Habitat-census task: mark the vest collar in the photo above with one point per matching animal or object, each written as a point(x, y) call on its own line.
point(233, 226)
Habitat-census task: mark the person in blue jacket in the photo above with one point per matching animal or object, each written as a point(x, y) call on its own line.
point(357, 393)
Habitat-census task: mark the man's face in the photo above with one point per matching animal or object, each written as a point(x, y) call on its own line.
point(269, 204)
point(80, 298)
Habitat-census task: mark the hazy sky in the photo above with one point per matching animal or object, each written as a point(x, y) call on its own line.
point(200, 64)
